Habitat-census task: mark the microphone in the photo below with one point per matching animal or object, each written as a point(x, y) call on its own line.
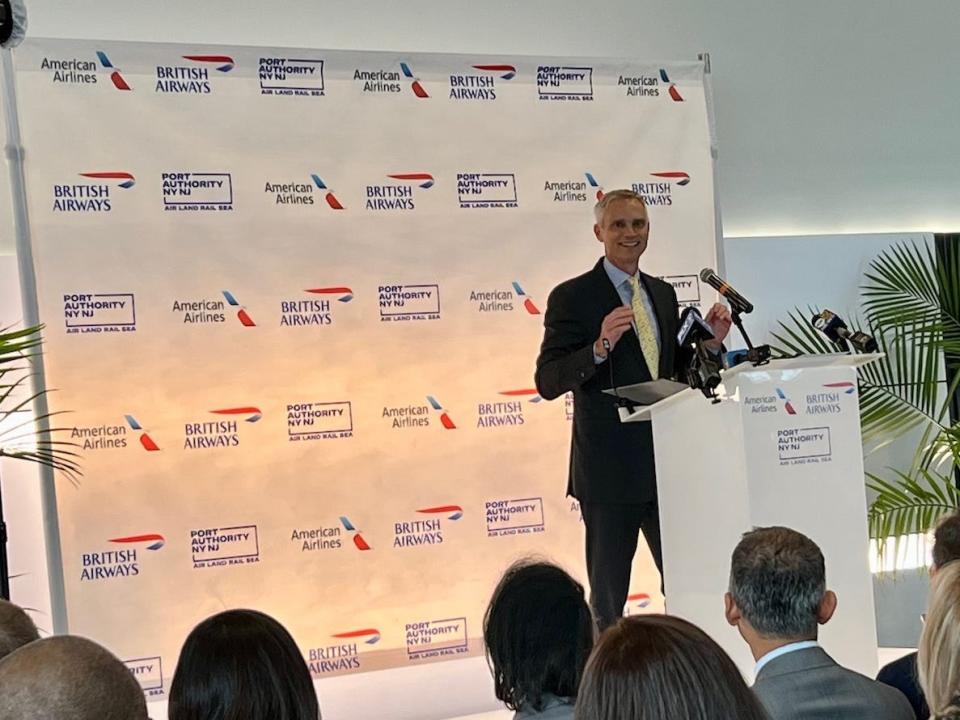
point(703, 372)
point(693, 328)
point(738, 303)
point(836, 330)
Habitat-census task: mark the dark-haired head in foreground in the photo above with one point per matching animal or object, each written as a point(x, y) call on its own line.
point(68, 678)
point(16, 628)
point(241, 664)
point(658, 667)
point(538, 633)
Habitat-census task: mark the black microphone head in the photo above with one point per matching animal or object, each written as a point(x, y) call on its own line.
point(693, 327)
point(706, 273)
point(863, 342)
point(829, 324)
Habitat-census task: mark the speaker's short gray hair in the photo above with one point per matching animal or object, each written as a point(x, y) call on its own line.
point(623, 194)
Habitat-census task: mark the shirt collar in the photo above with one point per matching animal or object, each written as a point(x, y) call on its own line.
point(783, 650)
point(617, 276)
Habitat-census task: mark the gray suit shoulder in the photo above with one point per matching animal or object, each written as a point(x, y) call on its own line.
point(809, 685)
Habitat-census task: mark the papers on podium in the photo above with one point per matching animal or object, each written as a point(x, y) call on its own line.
point(648, 393)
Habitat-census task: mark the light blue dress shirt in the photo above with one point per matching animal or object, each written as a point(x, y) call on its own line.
point(783, 650)
point(621, 281)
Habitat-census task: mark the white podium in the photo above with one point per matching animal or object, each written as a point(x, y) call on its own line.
point(783, 447)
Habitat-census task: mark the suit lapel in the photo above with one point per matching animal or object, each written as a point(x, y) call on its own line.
point(607, 293)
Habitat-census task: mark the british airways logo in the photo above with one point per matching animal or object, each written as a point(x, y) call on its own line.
point(481, 83)
point(192, 77)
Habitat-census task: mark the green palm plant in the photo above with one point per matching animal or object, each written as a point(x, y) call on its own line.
point(24, 436)
point(911, 302)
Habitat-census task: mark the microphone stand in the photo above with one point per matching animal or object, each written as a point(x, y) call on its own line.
point(759, 355)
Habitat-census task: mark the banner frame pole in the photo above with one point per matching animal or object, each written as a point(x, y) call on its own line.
point(704, 58)
point(14, 153)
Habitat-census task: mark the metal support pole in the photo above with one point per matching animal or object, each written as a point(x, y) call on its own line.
point(13, 151)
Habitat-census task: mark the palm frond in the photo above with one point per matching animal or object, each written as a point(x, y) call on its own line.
point(906, 285)
point(902, 390)
point(799, 337)
point(24, 437)
point(909, 505)
point(898, 393)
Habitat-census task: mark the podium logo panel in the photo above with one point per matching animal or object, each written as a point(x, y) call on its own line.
point(798, 446)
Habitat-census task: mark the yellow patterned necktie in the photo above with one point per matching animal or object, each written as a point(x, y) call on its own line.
point(648, 338)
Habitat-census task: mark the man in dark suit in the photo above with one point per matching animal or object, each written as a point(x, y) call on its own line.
point(611, 325)
point(902, 673)
point(778, 596)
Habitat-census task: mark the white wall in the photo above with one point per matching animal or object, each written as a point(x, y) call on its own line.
point(832, 117)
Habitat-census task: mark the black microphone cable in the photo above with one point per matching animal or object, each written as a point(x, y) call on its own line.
point(621, 401)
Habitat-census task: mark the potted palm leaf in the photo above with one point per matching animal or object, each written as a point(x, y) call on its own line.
point(24, 435)
point(911, 304)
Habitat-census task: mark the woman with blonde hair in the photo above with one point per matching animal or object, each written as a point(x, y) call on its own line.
point(938, 660)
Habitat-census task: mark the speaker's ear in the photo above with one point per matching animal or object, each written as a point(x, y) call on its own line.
point(6, 21)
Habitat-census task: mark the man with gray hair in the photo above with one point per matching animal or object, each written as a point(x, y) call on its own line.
point(778, 596)
point(68, 678)
point(16, 628)
point(614, 325)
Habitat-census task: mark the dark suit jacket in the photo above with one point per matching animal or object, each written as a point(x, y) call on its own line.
point(610, 461)
point(902, 674)
point(809, 685)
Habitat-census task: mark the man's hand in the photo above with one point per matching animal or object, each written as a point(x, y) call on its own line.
point(613, 327)
point(719, 320)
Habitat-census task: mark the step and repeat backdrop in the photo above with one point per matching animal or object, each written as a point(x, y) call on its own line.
point(293, 301)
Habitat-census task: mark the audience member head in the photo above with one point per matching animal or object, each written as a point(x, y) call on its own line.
point(652, 667)
point(16, 628)
point(778, 589)
point(68, 678)
point(538, 633)
point(241, 664)
point(938, 661)
point(946, 541)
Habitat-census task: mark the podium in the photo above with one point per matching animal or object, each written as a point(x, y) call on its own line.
point(782, 447)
